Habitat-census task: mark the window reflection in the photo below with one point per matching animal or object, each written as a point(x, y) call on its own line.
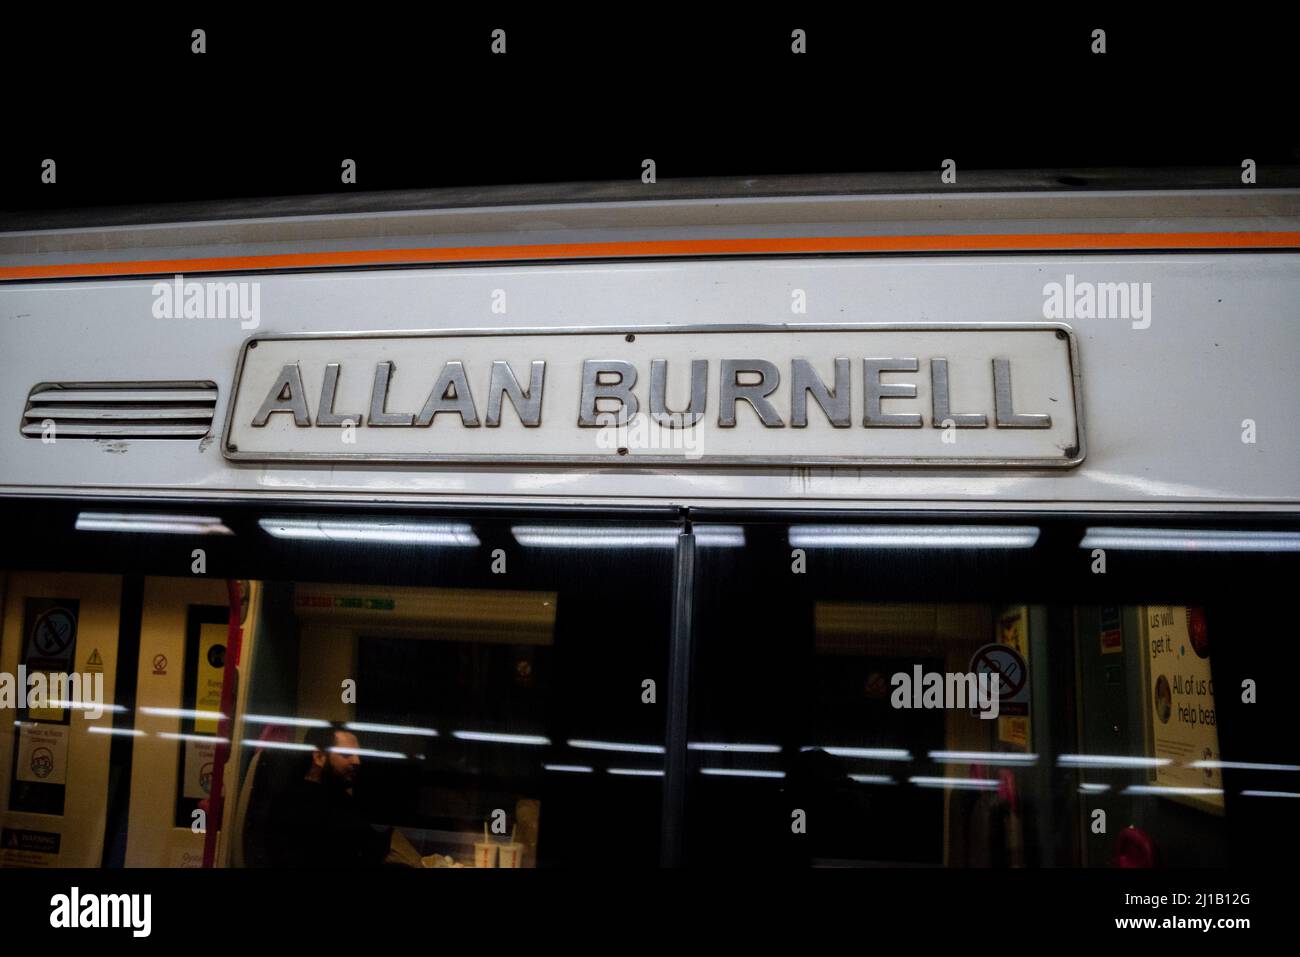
point(446, 727)
point(842, 709)
point(1100, 750)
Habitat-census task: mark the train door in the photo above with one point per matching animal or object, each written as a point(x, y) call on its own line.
point(843, 712)
point(502, 684)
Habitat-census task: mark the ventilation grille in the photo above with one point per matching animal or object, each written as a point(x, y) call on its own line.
point(121, 410)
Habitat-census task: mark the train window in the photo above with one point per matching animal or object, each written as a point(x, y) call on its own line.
point(855, 702)
point(494, 688)
point(473, 725)
point(409, 690)
point(498, 713)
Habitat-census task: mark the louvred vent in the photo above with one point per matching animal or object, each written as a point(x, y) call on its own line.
point(120, 410)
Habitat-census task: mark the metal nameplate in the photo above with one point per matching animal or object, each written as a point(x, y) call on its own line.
point(880, 395)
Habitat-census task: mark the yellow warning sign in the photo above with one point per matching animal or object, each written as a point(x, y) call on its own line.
point(212, 672)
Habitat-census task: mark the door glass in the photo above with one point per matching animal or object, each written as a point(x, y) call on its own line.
point(499, 683)
point(832, 726)
point(509, 716)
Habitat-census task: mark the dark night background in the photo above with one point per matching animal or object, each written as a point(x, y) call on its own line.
point(132, 116)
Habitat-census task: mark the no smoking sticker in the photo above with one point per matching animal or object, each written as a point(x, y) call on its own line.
point(53, 632)
point(1013, 676)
